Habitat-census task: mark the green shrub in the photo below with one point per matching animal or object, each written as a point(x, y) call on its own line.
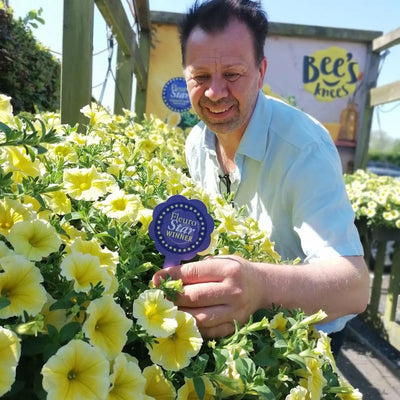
point(29, 74)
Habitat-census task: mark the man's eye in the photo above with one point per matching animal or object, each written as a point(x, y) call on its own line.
point(231, 76)
point(200, 78)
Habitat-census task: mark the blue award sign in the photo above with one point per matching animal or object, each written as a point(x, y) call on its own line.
point(175, 95)
point(181, 228)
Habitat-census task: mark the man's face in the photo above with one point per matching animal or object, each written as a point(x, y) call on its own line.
point(222, 77)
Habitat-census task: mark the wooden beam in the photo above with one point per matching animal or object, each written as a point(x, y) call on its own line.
point(385, 41)
point(76, 72)
point(115, 17)
point(385, 93)
point(123, 84)
point(143, 14)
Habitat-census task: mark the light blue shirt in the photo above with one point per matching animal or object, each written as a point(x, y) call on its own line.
point(289, 177)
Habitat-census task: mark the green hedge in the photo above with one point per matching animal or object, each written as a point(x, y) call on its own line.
point(29, 74)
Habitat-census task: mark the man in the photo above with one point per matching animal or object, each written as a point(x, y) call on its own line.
point(281, 164)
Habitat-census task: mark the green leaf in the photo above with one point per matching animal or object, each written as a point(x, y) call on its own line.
point(264, 358)
point(5, 128)
point(4, 302)
point(265, 392)
point(69, 331)
point(199, 387)
point(298, 360)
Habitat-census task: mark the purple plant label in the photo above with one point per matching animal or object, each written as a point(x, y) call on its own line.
point(181, 228)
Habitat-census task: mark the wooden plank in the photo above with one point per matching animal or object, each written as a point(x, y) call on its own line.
point(385, 94)
point(141, 87)
point(76, 75)
point(377, 281)
point(115, 17)
point(385, 41)
point(123, 83)
point(143, 14)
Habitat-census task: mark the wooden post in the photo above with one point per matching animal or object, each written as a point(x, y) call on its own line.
point(76, 72)
point(123, 84)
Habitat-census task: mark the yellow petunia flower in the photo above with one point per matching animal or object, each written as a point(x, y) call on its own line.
point(175, 351)
point(155, 313)
point(157, 385)
point(278, 322)
point(84, 270)
point(84, 183)
point(229, 221)
point(77, 371)
point(21, 165)
point(10, 352)
point(58, 202)
point(121, 206)
point(20, 283)
point(6, 110)
point(127, 381)
point(188, 392)
point(12, 211)
point(34, 239)
point(314, 381)
point(106, 326)
point(297, 393)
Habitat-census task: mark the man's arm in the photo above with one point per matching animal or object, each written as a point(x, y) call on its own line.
point(221, 289)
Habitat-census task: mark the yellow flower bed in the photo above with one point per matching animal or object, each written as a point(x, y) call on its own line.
point(78, 319)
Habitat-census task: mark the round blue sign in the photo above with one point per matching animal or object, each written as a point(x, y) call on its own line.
point(181, 228)
point(175, 95)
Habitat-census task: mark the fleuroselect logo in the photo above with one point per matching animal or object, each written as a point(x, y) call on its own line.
point(330, 74)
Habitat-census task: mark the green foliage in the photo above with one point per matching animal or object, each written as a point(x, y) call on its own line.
point(28, 72)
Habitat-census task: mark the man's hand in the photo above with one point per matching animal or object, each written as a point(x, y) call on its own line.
point(216, 291)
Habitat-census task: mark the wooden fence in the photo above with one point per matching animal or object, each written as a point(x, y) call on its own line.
point(132, 56)
point(383, 311)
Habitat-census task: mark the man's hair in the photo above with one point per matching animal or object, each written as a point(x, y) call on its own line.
point(214, 16)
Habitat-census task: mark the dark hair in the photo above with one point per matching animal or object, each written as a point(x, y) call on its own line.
point(214, 15)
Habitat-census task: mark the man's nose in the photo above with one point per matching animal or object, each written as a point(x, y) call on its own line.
point(217, 89)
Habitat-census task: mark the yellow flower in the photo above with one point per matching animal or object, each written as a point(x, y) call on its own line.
point(297, 393)
point(314, 381)
point(84, 270)
point(58, 202)
point(20, 164)
point(229, 221)
point(278, 322)
point(175, 351)
point(173, 119)
point(77, 371)
point(84, 183)
point(188, 392)
point(5, 251)
point(43, 214)
point(12, 211)
point(157, 386)
point(34, 239)
point(145, 216)
point(155, 313)
point(120, 206)
point(323, 348)
point(96, 114)
point(57, 318)
point(127, 382)
point(108, 259)
point(6, 110)
point(349, 392)
point(10, 352)
point(71, 234)
point(106, 326)
point(20, 283)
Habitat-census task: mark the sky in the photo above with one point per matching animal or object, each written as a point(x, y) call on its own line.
point(371, 15)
